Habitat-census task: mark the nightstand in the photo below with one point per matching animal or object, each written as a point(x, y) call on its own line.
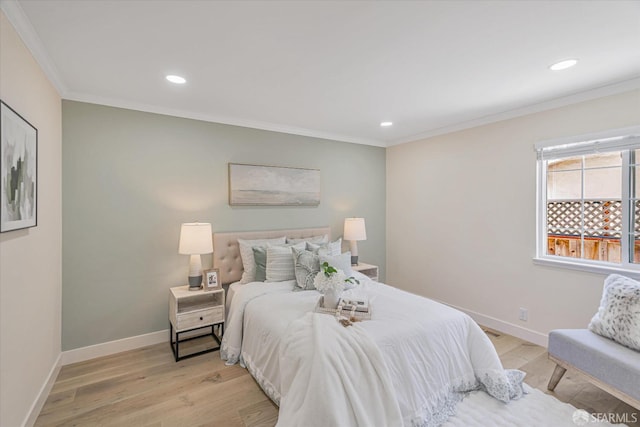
point(371, 271)
point(192, 310)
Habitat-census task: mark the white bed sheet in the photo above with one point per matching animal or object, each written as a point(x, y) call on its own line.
point(433, 353)
point(231, 291)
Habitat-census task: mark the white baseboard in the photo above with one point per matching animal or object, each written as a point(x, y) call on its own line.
point(505, 327)
point(112, 347)
point(43, 394)
point(131, 343)
point(86, 353)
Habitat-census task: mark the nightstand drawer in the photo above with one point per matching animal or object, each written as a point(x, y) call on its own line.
point(200, 318)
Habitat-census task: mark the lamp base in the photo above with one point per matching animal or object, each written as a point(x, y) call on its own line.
point(353, 248)
point(195, 283)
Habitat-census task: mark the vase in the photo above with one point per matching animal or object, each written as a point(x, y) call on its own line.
point(331, 298)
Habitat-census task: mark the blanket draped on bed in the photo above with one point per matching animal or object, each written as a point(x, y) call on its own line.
point(332, 372)
point(414, 354)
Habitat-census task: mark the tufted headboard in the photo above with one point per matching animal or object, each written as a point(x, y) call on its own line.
point(226, 251)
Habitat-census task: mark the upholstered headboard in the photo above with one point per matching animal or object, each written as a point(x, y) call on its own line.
point(226, 251)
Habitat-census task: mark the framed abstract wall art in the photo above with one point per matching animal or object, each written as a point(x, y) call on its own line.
point(18, 171)
point(254, 185)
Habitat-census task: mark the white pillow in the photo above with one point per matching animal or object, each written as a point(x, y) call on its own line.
point(246, 254)
point(618, 317)
point(315, 239)
point(339, 262)
point(331, 249)
point(280, 262)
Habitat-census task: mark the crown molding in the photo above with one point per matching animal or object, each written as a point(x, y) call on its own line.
point(16, 16)
point(29, 36)
point(600, 92)
point(234, 121)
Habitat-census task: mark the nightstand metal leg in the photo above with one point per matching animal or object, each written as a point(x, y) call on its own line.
point(177, 346)
point(174, 350)
point(174, 336)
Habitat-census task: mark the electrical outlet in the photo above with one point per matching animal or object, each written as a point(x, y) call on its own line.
point(524, 314)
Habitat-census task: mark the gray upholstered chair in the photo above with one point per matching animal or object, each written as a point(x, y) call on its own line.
point(607, 364)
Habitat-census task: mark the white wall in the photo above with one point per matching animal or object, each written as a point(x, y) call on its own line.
point(30, 259)
point(461, 219)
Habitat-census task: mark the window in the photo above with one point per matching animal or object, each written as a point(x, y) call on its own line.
point(589, 201)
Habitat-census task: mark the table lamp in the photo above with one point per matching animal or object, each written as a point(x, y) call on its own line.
point(354, 230)
point(195, 239)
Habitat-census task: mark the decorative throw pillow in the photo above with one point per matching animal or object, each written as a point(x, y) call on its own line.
point(246, 254)
point(260, 257)
point(339, 262)
point(318, 240)
point(618, 317)
point(331, 249)
point(280, 262)
point(306, 267)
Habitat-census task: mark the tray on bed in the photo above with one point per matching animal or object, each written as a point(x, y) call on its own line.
point(358, 315)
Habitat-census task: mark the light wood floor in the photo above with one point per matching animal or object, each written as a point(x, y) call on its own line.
point(146, 387)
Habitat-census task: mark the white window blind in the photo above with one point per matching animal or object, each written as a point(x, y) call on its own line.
point(612, 140)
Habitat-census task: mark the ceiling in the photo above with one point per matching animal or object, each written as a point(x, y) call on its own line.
point(334, 69)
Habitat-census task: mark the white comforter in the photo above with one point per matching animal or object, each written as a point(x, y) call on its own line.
point(332, 382)
point(430, 353)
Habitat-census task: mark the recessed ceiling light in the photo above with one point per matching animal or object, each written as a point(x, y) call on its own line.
point(386, 124)
point(176, 79)
point(563, 65)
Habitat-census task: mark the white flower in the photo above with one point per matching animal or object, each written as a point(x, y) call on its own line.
point(331, 279)
point(334, 282)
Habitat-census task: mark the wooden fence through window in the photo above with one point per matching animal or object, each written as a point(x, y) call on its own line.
point(598, 220)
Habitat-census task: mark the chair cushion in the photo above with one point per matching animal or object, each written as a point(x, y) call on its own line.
point(600, 357)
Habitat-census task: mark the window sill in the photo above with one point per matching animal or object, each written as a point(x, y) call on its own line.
point(604, 269)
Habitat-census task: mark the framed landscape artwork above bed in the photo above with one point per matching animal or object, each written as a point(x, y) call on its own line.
point(255, 185)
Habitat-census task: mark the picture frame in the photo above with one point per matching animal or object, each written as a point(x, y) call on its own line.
point(258, 185)
point(211, 279)
point(18, 171)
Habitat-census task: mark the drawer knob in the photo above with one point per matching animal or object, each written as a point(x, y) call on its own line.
point(200, 317)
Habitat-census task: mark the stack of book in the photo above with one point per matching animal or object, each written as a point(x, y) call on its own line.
point(361, 306)
point(349, 308)
point(354, 309)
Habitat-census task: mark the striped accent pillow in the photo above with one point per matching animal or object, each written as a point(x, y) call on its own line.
point(280, 263)
point(246, 254)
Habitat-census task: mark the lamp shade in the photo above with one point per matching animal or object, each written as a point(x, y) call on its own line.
point(195, 238)
point(354, 229)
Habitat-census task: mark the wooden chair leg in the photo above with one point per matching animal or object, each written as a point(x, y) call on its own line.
point(555, 377)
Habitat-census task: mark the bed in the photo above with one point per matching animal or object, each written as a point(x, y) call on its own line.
point(408, 365)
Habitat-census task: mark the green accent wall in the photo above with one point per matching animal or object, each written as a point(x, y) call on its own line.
point(131, 178)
